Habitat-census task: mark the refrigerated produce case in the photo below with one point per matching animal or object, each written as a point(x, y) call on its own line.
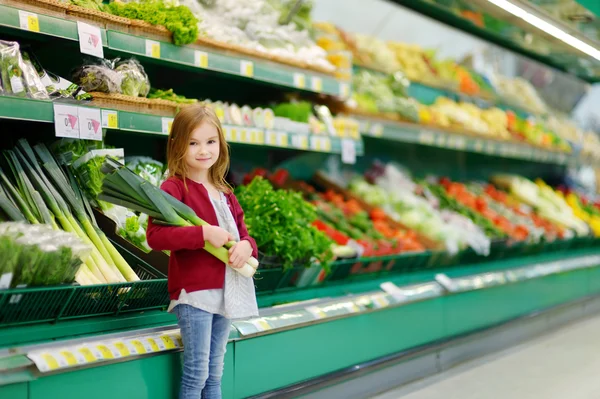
point(363, 313)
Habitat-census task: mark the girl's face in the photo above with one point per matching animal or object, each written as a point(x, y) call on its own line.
point(203, 148)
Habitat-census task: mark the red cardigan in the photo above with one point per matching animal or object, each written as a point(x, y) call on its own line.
point(190, 266)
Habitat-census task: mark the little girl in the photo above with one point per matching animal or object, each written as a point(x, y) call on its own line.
point(205, 293)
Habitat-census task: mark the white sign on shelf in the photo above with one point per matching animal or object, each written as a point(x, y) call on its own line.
point(393, 290)
point(90, 123)
point(29, 21)
point(152, 48)
point(90, 39)
point(201, 59)
point(167, 123)
point(446, 282)
point(348, 151)
point(110, 119)
point(66, 121)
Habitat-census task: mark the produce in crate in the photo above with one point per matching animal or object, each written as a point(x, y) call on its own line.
point(42, 192)
point(178, 19)
point(38, 255)
point(123, 187)
point(544, 200)
point(114, 77)
point(398, 195)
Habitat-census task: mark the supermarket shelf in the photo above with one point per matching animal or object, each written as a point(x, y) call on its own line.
point(130, 345)
point(427, 93)
point(193, 56)
point(563, 56)
point(42, 111)
point(434, 137)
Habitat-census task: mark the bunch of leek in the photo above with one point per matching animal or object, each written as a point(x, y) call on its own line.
point(41, 192)
point(123, 187)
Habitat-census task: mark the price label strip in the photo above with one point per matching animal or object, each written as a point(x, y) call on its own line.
point(282, 140)
point(29, 21)
point(317, 312)
point(90, 39)
point(380, 301)
point(260, 324)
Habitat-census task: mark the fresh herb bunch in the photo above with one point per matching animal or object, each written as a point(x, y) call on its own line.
point(280, 221)
point(179, 20)
point(170, 96)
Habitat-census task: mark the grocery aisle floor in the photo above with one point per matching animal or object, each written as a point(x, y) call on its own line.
point(563, 364)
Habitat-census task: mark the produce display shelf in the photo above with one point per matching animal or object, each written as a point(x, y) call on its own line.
point(375, 323)
point(427, 93)
point(437, 137)
point(42, 111)
point(192, 56)
point(572, 64)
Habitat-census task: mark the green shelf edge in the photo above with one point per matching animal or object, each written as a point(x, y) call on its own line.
point(42, 111)
point(430, 136)
point(170, 54)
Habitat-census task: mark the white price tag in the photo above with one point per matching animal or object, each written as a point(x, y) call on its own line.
point(344, 90)
point(201, 59)
point(271, 137)
point(445, 282)
point(110, 119)
point(317, 312)
point(90, 39)
point(44, 361)
point(348, 151)
point(5, 280)
point(380, 301)
point(299, 80)
point(153, 344)
point(376, 130)
point(90, 125)
point(282, 139)
point(88, 354)
point(29, 21)
point(16, 84)
point(393, 290)
point(152, 48)
point(247, 68)
point(167, 123)
point(260, 324)
point(66, 121)
point(316, 84)
point(73, 358)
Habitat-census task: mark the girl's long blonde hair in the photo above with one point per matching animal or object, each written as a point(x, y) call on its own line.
point(188, 119)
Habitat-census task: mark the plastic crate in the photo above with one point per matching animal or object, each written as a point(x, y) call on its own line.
point(52, 304)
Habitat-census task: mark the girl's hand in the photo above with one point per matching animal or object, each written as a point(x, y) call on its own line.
point(239, 254)
point(216, 235)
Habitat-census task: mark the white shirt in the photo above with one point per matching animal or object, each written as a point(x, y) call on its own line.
point(237, 298)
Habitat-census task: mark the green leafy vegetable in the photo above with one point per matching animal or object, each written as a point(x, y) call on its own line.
point(179, 20)
point(281, 220)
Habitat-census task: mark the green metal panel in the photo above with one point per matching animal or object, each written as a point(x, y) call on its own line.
point(14, 391)
point(592, 5)
point(155, 377)
point(26, 109)
point(594, 280)
point(9, 16)
point(265, 363)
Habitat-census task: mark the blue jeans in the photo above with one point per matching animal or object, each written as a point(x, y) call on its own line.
point(205, 338)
